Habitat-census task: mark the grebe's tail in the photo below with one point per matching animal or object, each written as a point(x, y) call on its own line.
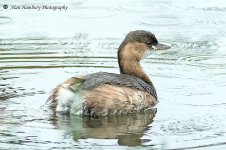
point(66, 97)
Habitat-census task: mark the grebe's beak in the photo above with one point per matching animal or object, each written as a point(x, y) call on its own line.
point(160, 46)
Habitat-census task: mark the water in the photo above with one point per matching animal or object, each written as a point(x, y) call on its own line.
point(40, 49)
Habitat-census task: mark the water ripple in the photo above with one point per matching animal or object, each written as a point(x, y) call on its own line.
point(4, 20)
point(42, 44)
point(57, 53)
point(207, 9)
point(93, 12)
point(197, 53)
point(7, 92)
point(159, 21)
point(147, 6)
point(193, 125)
point(203, 46)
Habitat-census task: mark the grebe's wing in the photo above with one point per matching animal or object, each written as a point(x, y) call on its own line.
point(97, 79)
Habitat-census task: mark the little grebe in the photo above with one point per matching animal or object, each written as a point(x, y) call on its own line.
point(102, 93)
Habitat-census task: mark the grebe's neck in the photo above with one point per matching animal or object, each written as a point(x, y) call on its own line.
point(129, 62)
point(133, 68)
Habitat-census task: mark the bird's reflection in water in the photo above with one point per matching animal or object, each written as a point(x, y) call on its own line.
point(128, 129)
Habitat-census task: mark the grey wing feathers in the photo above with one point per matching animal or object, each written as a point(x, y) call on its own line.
point(100, 78)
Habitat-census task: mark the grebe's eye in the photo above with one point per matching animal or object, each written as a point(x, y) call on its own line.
point(149, 42)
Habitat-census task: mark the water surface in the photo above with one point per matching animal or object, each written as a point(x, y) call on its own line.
point(40, 49)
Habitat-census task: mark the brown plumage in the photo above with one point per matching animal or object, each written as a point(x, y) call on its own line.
point(113, 100)
point(102, 94)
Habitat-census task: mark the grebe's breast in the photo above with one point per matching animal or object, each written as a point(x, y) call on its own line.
point(102, 94)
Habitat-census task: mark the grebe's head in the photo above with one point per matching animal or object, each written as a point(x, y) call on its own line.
point(138, 44)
